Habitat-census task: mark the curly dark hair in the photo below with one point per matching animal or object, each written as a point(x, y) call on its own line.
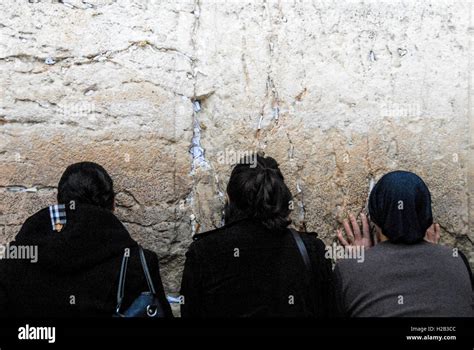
point(257, 190)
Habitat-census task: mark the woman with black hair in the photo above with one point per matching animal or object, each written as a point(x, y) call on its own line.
point(406, 273)
point(81, 246)
point(255, 266)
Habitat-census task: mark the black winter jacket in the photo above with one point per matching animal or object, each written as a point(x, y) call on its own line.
point(76, 274)
point(245, 270)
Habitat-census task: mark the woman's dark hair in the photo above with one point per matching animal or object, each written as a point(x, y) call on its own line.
point(257, 190)
point(86, 182)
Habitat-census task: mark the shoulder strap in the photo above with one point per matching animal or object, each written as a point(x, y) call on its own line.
point(123, 274)
point(149, 281)
point(302, 249)
point(307, 262)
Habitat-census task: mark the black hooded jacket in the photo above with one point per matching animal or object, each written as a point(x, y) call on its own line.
point(76, 273)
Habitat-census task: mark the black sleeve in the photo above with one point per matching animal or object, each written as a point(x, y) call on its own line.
point(341, 310)
point(327, 286)
point(191, 289)
point(160, 292)
point(4, 309)
point(3, 302)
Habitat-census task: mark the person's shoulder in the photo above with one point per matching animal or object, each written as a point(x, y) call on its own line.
point(38, 221)
point(216, 233)
point(423, 248)
point(221, 238)
point(39, 216)
point(439, 248)
point(443, 252)
point(204, 239)
point(149, 254)
point(312, 240)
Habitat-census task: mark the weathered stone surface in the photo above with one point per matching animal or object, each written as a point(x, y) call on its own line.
point(338, 92)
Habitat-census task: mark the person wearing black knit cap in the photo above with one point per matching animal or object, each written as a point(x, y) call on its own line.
point(406, 273)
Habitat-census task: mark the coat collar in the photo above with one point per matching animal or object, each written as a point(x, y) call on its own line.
point(90, 236)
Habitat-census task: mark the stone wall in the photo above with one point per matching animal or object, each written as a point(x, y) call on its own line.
point(166, 94)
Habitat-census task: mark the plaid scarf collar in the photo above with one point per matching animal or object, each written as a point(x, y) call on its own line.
point(57, 214)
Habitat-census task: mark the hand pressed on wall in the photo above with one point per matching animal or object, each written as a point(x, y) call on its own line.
point(433, 234)
point(355, 237)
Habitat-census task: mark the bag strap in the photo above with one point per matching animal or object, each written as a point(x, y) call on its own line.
point(307, 262)
point(123, 275)
point(121, 284)
point(149, 281)
point(302, 249)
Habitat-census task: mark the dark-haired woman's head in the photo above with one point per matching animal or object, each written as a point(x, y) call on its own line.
point(88, 183)
point(400, 205)
point(257, 190)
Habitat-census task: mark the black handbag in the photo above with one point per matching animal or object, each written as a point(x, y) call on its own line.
point(147, 303)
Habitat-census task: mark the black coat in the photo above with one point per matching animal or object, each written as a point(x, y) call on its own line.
point(77, 270)
point(244, 270)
